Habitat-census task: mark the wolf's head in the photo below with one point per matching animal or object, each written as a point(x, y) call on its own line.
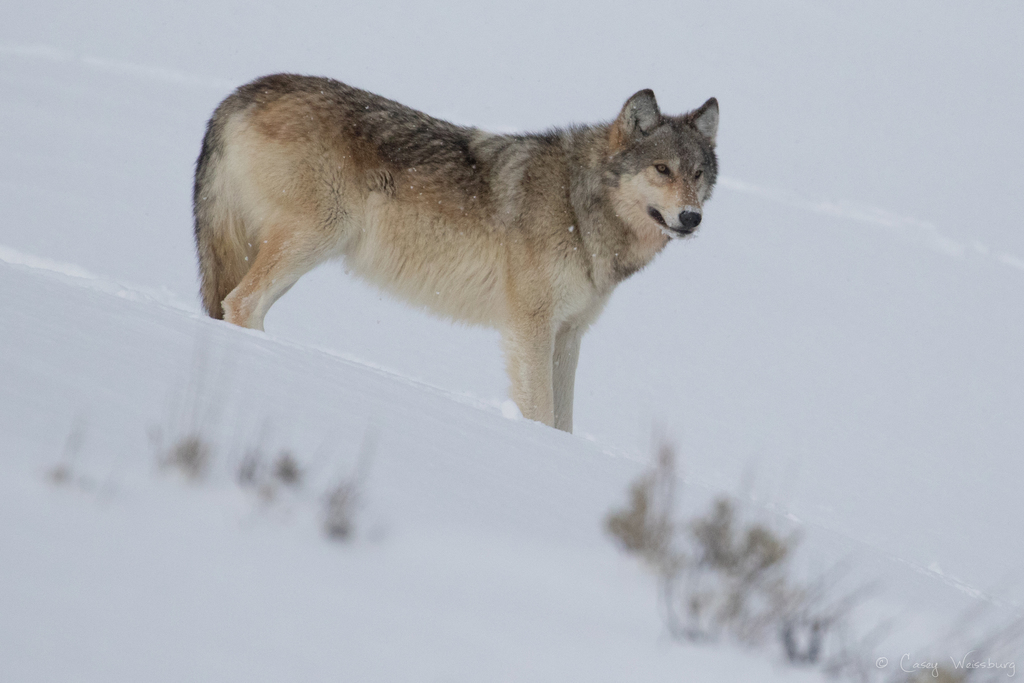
point(661, 169)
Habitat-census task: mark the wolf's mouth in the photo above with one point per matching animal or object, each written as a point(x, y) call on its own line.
point(666, 228)
point(656, 215)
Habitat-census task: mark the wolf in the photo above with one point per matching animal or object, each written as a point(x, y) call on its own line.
point(528, 233)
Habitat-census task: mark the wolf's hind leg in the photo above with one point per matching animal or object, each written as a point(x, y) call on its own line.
point(284, 256)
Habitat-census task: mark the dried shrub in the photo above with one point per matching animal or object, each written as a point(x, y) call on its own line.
point(64, 472)
point(735, 581)
point(191, 456)
point(59, 475)
point(287, 470)
point(732, 580)
point(942, 674)
point(720, 576)
point(340, 509)
point(250, 469)
point(342, 502)
point(991, 657)
point(645, 526)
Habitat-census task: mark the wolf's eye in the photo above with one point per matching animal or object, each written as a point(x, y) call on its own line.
point(697, 175)
point(661, 168)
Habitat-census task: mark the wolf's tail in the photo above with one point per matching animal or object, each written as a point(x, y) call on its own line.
point(220, 233)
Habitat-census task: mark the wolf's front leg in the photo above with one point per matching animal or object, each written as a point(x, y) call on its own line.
point(528, 355)
point(567, 353)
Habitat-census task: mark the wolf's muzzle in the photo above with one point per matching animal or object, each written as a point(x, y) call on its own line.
point(689, 220)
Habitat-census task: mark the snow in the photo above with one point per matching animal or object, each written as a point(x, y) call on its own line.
point(839, 347)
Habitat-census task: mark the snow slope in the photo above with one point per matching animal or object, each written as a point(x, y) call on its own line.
point(840, 343)
point(479, 551)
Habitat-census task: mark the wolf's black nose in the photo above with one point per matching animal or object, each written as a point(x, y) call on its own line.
point(689, 219)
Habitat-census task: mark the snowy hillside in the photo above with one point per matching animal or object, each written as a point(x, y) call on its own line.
point(839, 347)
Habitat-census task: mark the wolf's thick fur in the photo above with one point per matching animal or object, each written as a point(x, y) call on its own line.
point(525, 233)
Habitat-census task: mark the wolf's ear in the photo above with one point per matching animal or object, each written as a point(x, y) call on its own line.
point(705, 119)
point(640, 115)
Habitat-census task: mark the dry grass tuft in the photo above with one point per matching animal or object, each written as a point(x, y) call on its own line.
point(253, 473)
point(340, 509)
point(645, 526)
point(343, 501)
point(59, 475)
point(287, 470)
point(250, 469)
point(64, 472)
point(191, 456)
point(942, 674)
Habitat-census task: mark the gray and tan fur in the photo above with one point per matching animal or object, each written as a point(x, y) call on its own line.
point(526, 233)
